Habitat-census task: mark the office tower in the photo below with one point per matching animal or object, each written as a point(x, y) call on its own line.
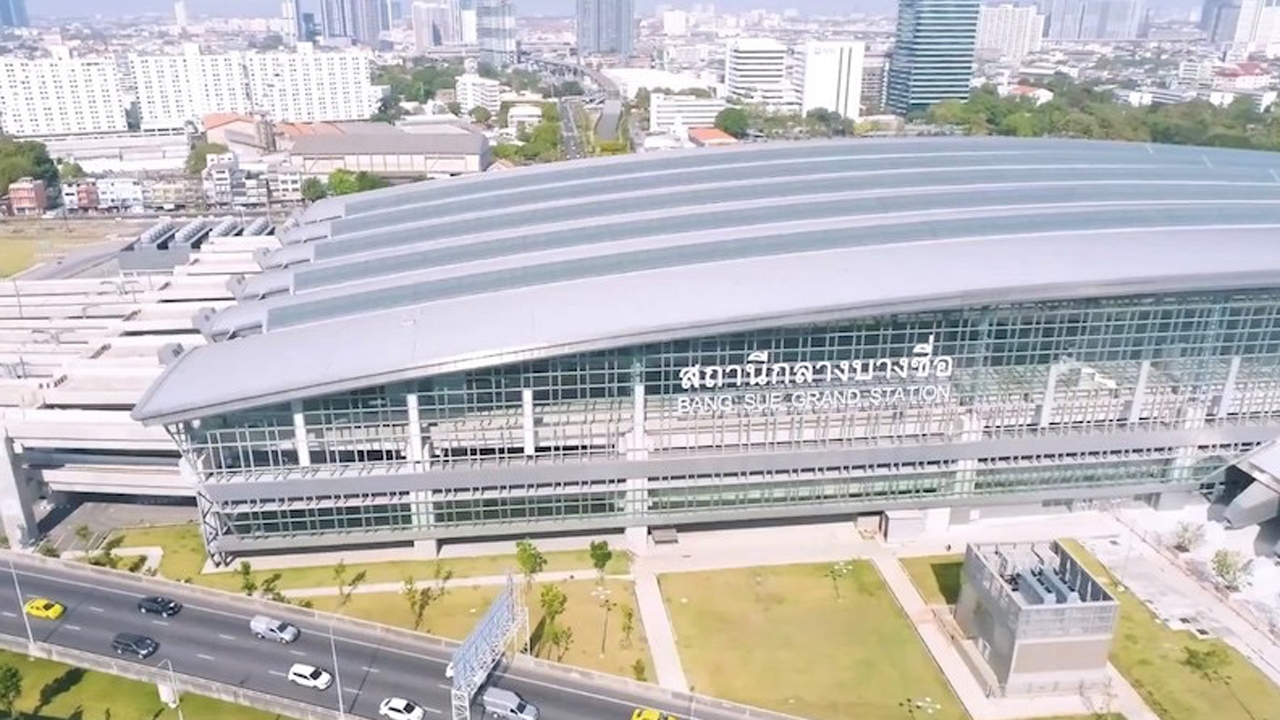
point(755, 71)
point(1218, 20)
point(606, 27)
point(1095, 20)
point(290, 11)
point(496, 32)
point(300, 86)
point(932, 58)
point(432, 24)
point(1257, 28)
point(467, 33)
point(875, 78)
point(1010, 31)
point(368, 20)
point(395, 12)
point(828, 75)
point(310, 31)
point(335, 18)
point(179, 14)
point(60, 95)
point(13, 13)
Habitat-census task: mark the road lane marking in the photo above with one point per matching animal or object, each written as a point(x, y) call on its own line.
point(442, 686)
point(277, 673)
point(71, 627)
point(353, 691)
point(431, 710)
point(10, 614)
point(160, 622)
point(96, 609)
point(202, 656)
point(226, 637)
point(299, 653)
point(366, 668)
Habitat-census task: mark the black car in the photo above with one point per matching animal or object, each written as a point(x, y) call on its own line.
point(157, 605)
point(140, 646)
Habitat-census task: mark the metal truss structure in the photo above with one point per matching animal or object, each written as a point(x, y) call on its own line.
point(505, 624)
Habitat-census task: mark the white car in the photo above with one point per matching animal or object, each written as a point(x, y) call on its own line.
point(400, 709)
point(310, 676)
point(448, 672)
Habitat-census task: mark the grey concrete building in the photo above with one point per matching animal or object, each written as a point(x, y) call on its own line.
point(1038, 620)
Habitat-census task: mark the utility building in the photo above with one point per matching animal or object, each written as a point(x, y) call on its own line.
point(1040, 622)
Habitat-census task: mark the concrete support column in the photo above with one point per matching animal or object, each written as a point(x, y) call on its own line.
point(1139, 393)
point(530, 434)
point(300, 434)
point(17, 497)
point(424, 515)
point(637, 539)
point(1050, 390)
point(636, 448)
point(427, 548)
point(1228, 388)
point(967, 470)
point(413, 451)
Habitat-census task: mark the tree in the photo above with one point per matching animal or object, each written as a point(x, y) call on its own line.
point(530, 560)
point(1187, 535)
point(553, 601)
point(628, 622)
point(560, 638)
point(269, 588)
point(84, 533)
point(481, 115)
point(10, 688)
point(421, 598)
point(733, 121)
point(454, 107)
point(70, 171)
point(368, 181)
point(1231, 569)
point(248, 585)
point(26, 159)
point(601, 555)
point(639, 671)
point(198, 158)
point(106, 555)
point(342, 182)
point(1209, 663)
point(313, 189)
point(347, 586)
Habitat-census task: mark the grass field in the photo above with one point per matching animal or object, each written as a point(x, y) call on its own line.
point(184, 558)
point(455, 615)
point(51, 690)
point(778, 638)
point(22, 242)
point(1147, 652)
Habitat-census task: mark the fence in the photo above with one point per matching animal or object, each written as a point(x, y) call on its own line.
point(156, 585)
point(181, 683)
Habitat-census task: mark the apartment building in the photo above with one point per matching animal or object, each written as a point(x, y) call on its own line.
point(828, 75)
point(305, 85)
point(1009, 30)
point(80, 195)
point(28, 196)
point(60, 95)
point(496, 32)
point(755, 71)
point(473, 91)
point(668, 112)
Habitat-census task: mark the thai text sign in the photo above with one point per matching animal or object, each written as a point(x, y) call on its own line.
point(919, 378)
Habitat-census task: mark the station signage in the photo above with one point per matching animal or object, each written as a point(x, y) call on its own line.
point(761, 386)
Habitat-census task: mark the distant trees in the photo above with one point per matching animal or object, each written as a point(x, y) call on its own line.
point(733, 121)
point(1231, 569)
point(346, 182)
point(198, 157)
point(1187, 535)
point(481, 115)
point(19, 159)
point(314, 189)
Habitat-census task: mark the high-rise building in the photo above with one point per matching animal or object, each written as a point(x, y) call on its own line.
point(1257, 29)
point(875, 78)
point(1094, 20)
point(828, 75)
point(496, 32)
point(606, 27)
point(755, 71)
point(675, 23)
point(291, 11)
point(932, 58)
point(310, 31)
point(433, 24)
point(369, 18)
point(179, 14)
point(335, 18)
point(61, 95)
point(1218, 20)
point(1009, 30)
point(13, 13)
point(300, 86)
point(467, 25)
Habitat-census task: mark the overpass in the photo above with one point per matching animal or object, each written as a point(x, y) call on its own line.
point(208, 648)
point(571, 68)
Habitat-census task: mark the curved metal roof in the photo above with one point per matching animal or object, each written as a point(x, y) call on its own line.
point(437, 276)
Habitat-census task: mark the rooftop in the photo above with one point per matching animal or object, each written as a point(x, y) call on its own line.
point(431, 140)
point(717, 240)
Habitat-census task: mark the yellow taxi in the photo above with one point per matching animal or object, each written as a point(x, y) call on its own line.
point(651, 714)
point(44, 608)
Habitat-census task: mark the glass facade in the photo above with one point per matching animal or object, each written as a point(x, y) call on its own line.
point(1041, 401)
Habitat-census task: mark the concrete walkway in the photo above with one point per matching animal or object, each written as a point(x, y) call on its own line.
point(658, 629)
point(480, 581)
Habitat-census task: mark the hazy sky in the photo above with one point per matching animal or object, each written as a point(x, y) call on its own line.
point(530, 7)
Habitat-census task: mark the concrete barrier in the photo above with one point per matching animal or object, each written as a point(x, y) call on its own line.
point(181, 683)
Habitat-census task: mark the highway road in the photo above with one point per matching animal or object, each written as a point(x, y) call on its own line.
point(210, 639)
point(570, 133)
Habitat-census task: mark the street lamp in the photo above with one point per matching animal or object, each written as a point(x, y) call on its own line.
point(836, 572)
point(925, 705)
point(602, 594)
point(337, 675)
point(173, 686)
point(31, 638)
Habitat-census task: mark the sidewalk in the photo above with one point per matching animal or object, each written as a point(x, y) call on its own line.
point(658, 629)
point(480, 581)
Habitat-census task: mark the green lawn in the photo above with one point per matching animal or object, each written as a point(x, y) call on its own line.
point(937, 577)
point(455, 615)
point(1147, 652)
point(184, 558)
point(51, 690)
point(779, 638)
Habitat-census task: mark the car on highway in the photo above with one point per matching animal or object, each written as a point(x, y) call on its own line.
point(269, 627)
point(651, 714)
point(310, 676)
point(44, 608)
point(159, 605)
point(140, 646)
point(400, 709)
